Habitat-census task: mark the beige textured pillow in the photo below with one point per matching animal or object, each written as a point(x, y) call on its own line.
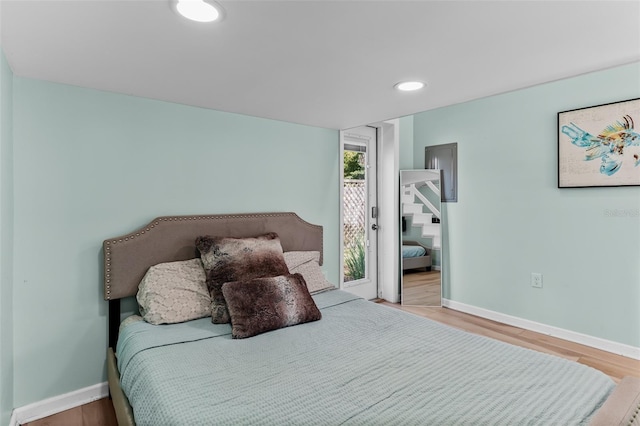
point(307, 264)
point(174, 292)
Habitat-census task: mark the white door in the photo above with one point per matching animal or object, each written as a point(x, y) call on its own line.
point(359, 212)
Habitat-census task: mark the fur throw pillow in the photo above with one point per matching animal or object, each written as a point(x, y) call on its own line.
point(228, 259)
point(266, 304)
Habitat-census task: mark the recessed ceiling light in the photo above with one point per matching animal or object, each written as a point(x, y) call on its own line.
point(409, 86)
point(199, 10)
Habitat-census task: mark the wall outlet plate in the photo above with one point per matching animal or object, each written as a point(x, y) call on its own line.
point(536, 280)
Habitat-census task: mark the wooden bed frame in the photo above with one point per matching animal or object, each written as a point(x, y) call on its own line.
point(172, 238)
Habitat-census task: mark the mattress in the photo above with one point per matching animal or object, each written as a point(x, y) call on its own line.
point(361, 364)
point(413, 251)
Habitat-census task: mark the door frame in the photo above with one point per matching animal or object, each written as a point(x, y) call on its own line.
point(388, 214)
point(366, 136)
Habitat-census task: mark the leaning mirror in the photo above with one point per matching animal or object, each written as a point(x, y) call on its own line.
point(420, 283)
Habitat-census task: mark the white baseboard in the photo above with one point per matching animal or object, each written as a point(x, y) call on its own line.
point(12, 420)
point(57, 404)
point(572, 336)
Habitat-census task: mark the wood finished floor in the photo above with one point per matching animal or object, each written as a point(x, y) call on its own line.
point(100, 413)
point(421, 288)
point(96, 413)
point(616, 366)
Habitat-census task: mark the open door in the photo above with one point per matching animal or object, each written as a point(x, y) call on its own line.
point(360, 212)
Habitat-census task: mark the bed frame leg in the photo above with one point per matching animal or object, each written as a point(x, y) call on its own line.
point(114, 322)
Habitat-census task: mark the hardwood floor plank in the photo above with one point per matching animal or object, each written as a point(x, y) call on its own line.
point(450, 316)
point(421, 288)
point(99, 413)
point(615, 371)
point(558, 350)
point(614, 365)
point(72, 417)
point(632, 365)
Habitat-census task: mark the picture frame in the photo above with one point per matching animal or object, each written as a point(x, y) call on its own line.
point(599, 145)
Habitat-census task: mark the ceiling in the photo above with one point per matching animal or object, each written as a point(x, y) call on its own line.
point(330, 64)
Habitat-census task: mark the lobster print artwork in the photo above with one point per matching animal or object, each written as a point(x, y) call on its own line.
point(616, 145)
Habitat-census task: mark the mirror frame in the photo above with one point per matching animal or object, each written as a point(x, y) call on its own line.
point(418, 186)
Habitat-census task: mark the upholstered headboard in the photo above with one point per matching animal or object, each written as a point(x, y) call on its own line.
point(170, 238)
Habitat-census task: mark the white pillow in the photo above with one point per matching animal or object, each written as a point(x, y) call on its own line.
point(174, 292)
point(307, 263)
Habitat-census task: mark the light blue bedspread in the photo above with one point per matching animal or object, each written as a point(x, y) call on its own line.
point(413, 251)
point(361, 364)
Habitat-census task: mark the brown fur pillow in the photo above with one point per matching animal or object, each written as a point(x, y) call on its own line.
point(266, 304)
point(238, 259)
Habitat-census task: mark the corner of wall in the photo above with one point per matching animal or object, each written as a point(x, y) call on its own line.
point(6, 240)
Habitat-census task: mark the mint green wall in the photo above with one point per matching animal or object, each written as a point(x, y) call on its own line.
point(6, 241)
point(511, 219)
point(90, 165)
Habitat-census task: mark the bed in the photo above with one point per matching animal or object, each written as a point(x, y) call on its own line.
point(415, 255)
point(360, 363)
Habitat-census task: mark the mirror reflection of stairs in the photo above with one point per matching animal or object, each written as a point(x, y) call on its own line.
point(416, 206)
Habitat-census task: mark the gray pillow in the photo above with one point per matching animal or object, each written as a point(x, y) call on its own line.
point(265, 304)
point(307, 263)
point(174, 292)
point(228, 259)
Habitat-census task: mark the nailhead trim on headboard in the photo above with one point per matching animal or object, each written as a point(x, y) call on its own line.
point(156, 222)
point(312, 240)
point(635, 419)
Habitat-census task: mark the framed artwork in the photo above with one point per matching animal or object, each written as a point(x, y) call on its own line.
point(599, 145)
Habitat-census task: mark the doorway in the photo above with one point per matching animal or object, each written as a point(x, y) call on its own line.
point(360, 211)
